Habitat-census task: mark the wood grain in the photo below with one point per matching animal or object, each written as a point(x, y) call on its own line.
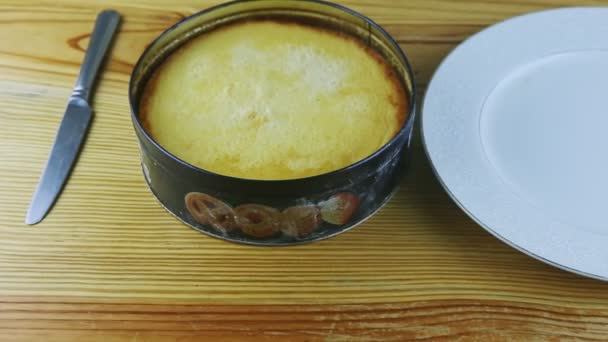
point(110, 264)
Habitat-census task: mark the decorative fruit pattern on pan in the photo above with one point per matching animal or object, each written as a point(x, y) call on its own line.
point(258, 221)
point(339, 208)
point(264, 222)
point(300, 221)
point(210, 211)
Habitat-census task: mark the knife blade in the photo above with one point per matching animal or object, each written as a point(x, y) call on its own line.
point(75, 123)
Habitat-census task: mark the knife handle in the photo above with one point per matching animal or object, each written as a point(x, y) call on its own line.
point(105, 27)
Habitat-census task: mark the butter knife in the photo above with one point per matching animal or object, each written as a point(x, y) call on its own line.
point(75, 122)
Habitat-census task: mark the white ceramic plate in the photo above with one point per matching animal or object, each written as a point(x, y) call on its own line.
point(515, 123)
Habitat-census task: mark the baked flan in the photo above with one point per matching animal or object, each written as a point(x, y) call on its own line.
point(273, 100)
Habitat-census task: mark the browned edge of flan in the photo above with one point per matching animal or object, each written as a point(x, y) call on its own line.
point(401, 103)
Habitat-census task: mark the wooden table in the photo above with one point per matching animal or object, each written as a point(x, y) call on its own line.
point(109, 264)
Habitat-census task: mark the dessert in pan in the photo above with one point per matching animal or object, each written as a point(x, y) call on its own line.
point(273, 100)
point(273, 125)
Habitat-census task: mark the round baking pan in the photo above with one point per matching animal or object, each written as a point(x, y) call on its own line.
point(273, 212)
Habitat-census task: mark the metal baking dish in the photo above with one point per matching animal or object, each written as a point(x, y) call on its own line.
point(269, 212)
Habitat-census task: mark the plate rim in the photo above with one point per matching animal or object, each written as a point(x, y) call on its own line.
point(432, 163)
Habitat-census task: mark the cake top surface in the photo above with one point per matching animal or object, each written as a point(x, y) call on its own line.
point(273, 100)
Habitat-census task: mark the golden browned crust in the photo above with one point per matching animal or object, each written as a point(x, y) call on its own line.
point(401, 103)
point(149, 89)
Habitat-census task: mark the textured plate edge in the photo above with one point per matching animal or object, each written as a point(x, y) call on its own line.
point(447, 189)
